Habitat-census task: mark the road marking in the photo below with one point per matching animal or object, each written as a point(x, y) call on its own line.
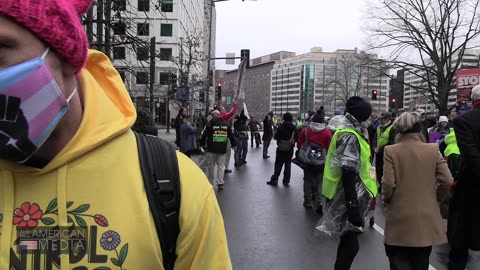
point(382, 232)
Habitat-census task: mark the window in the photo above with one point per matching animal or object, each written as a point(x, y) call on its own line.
point(143, 5)
point(142, 77)
point(142, 53)
point(119, 53)
point(167, 5)
point(165, 54)
point(166, 30)
point(119, 28)
point(164, 78)
point(120, 5)
point(143, 29)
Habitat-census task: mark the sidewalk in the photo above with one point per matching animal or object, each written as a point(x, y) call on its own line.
point(200, 160)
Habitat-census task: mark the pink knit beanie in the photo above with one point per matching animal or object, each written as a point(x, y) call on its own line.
point(56, 22)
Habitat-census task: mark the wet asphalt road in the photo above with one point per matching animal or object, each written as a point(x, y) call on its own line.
point(268, 228)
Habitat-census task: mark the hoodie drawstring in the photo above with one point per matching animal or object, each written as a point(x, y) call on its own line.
point(8, 190)
point(62, 212)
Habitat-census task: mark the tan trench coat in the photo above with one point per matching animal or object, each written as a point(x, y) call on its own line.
point(414, 173)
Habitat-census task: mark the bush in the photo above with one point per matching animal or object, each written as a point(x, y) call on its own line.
point(144, 123)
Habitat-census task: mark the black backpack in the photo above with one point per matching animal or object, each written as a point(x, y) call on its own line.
point(159, 165)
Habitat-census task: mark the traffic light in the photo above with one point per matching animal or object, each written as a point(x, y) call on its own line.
point(218, 93)
point(374, 94)
point(215, 106)
point(245, 54)
point(393, 102)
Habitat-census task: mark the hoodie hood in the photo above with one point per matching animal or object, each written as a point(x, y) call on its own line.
point(108, 111)
point(317, 127)
point(344, 121)
point(347, 121)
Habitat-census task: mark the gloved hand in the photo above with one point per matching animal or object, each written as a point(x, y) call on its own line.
point(353, 209)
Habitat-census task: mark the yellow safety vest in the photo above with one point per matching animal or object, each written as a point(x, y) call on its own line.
point(382, 137)
point(333, 174)
point(451, 142)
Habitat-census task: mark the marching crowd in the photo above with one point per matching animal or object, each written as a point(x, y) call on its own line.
point(423, 170)
point(68, 157)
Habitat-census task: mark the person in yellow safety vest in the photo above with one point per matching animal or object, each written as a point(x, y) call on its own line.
point(452, 153)
point(384, 136)
point(348, 183)
point(299, 122)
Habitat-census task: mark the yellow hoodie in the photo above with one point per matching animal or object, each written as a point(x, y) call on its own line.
point(94, 187)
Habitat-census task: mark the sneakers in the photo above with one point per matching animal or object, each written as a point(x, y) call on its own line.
point(286, 183)
point(228, 171)
point(220, 186)
point(272, 183)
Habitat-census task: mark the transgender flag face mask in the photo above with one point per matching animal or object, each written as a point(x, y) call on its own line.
point(31, 106)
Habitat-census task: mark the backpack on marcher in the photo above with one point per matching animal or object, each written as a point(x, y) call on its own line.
point(311, 154)
point(159, 165)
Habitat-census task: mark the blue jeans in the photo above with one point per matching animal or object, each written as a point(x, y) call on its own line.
point(241, 151)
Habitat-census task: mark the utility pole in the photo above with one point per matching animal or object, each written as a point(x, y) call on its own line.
point(108, 19)
point(152, 76)
point(89, 24)
point(209, 54)
point(100, 26)
point(323, 83)
point(335, 87)
point(167, 101)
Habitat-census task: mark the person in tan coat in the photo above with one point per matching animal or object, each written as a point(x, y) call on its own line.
point(415, 178)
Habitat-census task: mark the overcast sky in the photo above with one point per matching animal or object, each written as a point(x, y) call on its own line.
point(268, 26)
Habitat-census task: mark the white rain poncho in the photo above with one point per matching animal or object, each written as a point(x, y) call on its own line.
point(334, 221)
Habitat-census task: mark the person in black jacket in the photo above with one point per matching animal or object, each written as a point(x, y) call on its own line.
point(254, 125)
point(241, 137)
point(178, 123)
point(217, 133)
point(464, 219)
point(284, 136)
point(267, 133)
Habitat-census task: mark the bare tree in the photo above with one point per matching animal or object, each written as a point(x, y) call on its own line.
point(189, 64)
point(436, 33)
point(351, 73)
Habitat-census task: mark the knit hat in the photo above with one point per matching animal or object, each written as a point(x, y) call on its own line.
point(319, 116)
point(287, 117)
point(359, 108)
point(442, 118)
point(338, 111)
point(56, 22)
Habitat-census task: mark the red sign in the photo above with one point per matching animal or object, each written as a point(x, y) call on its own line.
point(466, 80)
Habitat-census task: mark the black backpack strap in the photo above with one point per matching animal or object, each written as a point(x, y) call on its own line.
point(159, 164)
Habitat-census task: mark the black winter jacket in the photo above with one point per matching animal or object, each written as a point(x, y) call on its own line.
point(285, 131)
point(267, 129)
point(216, 133)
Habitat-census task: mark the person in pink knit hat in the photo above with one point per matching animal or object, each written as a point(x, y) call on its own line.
point(72, 192)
